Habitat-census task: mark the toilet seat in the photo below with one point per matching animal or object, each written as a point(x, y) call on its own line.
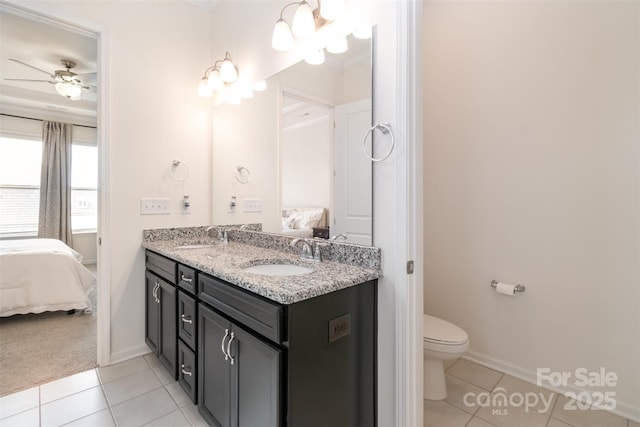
point(441, 332)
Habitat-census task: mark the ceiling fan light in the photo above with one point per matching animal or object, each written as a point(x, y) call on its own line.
point(315, 58)
point(338, 45)
point(228, 71)
point(303, 23)
point(68, 90)
point(282, 39)
point(332, 10)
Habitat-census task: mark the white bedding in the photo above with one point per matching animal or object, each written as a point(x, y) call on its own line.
point(38, 275)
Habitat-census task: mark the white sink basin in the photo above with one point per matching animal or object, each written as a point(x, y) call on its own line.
point(277, 269)
point(194, 246)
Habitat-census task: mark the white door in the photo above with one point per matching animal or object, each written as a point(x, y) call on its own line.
point(352, 173)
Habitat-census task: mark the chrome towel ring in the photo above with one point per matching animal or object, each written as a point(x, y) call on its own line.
point(385, 129)
point(179, 170)
point(243, 176)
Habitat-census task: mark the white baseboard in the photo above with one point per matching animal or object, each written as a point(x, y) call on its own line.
point(623, 409)
point(129, 353)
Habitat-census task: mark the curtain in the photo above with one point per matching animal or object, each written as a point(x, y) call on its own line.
point(54, 219)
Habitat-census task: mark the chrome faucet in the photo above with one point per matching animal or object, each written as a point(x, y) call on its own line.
point(222, 233)
point(338, 236)
point(307, 250)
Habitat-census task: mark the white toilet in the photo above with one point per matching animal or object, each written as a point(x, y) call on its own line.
point(442, 341)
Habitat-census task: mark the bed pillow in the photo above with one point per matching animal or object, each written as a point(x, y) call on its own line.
point(308, 218)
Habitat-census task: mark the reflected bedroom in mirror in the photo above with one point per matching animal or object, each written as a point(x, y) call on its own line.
point(292, 159)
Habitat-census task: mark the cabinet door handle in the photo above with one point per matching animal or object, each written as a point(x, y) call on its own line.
point(155, 292)
point(226, 334)
point(185, 372)
point(185, 279)
point(229, 348)
point(186, 319)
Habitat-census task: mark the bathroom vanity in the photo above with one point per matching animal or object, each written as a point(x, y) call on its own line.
point(259, 349)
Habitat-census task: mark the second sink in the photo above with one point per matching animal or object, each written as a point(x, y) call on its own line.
point(278, 269)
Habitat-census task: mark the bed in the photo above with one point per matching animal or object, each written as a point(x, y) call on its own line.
point(300, 221)
point(38, 275)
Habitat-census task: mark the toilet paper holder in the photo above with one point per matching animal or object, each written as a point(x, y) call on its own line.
point(518, 288)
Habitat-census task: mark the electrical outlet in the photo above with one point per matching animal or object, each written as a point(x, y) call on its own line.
point(159, 206)
point(339, 327)
point(252, 205)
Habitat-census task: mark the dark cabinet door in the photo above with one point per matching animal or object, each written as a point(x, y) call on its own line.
point(168, 349)
point(214, 397)
point(256, 383)
point(187, 319)
point(187, 370)
point(240, 384)
point(152, 323)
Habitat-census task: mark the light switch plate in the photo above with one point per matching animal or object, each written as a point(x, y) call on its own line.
point(157, 206)
point(252, 205)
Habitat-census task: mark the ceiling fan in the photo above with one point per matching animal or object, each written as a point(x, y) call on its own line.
point(66, 81)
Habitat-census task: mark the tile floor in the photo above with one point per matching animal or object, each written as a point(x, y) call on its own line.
point(138, 392)
point(477, 383)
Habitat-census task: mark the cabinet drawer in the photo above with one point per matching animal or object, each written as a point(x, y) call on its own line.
point(187, 319)
point(163, 267)
point(256, 313)
point(187, 372)
point(187, 279)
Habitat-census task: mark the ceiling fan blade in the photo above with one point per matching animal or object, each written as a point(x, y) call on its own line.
point(31, 80)
point(31, 66)
point(86, 74)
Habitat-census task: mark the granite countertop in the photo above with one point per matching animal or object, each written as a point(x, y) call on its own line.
point(227, 260)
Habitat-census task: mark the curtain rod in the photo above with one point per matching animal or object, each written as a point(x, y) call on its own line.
point(40, 120)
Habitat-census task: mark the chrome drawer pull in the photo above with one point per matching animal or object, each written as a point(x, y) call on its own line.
point(184, 371)
point(186, 319)
point(185, 279)
point(229, 348)
point(226, 334)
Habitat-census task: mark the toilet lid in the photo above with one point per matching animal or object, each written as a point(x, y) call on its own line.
point(441, 331)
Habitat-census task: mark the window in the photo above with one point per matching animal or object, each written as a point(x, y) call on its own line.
point(20, 162)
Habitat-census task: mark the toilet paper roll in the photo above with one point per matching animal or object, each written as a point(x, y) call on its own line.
point(505, 289)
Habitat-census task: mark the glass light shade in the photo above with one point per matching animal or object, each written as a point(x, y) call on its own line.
point(282, 39)
point(246, 92)
point(303, 24)
point(315, 58)
point(228, 71)
point(204, 89)
point(260, 86)
point(332, 10)
point(338, 45)
point(232, 98)
point(69, 90)
point(215, 81)
point(364, 31)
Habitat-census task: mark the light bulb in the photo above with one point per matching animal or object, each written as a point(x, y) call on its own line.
point(68, 90)
point(204, 89)
point(228, 71)
point(364, 31)
point(281, 39)
point(303, 24)
point(215, 81)
point(332, 10)
point(260, 86)
point(315, 58)
point(338, 45)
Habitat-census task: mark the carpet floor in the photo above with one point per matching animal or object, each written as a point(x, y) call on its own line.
point(39, 348)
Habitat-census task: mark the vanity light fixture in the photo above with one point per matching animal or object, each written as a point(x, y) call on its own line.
point(316, 57)
point(304, 25)
point(222, 76)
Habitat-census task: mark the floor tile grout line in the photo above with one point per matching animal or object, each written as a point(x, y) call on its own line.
point(109, 407)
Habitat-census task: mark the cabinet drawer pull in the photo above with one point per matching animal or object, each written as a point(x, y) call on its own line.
point(185, 279)
point(185, 372)
point(229, 348)
point(226, 334)
point(186, 319)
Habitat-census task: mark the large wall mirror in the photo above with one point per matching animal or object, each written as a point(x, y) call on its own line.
point(294, 152)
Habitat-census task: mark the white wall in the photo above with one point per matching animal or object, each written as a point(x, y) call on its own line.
point(531, 114)
point(157, 51)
